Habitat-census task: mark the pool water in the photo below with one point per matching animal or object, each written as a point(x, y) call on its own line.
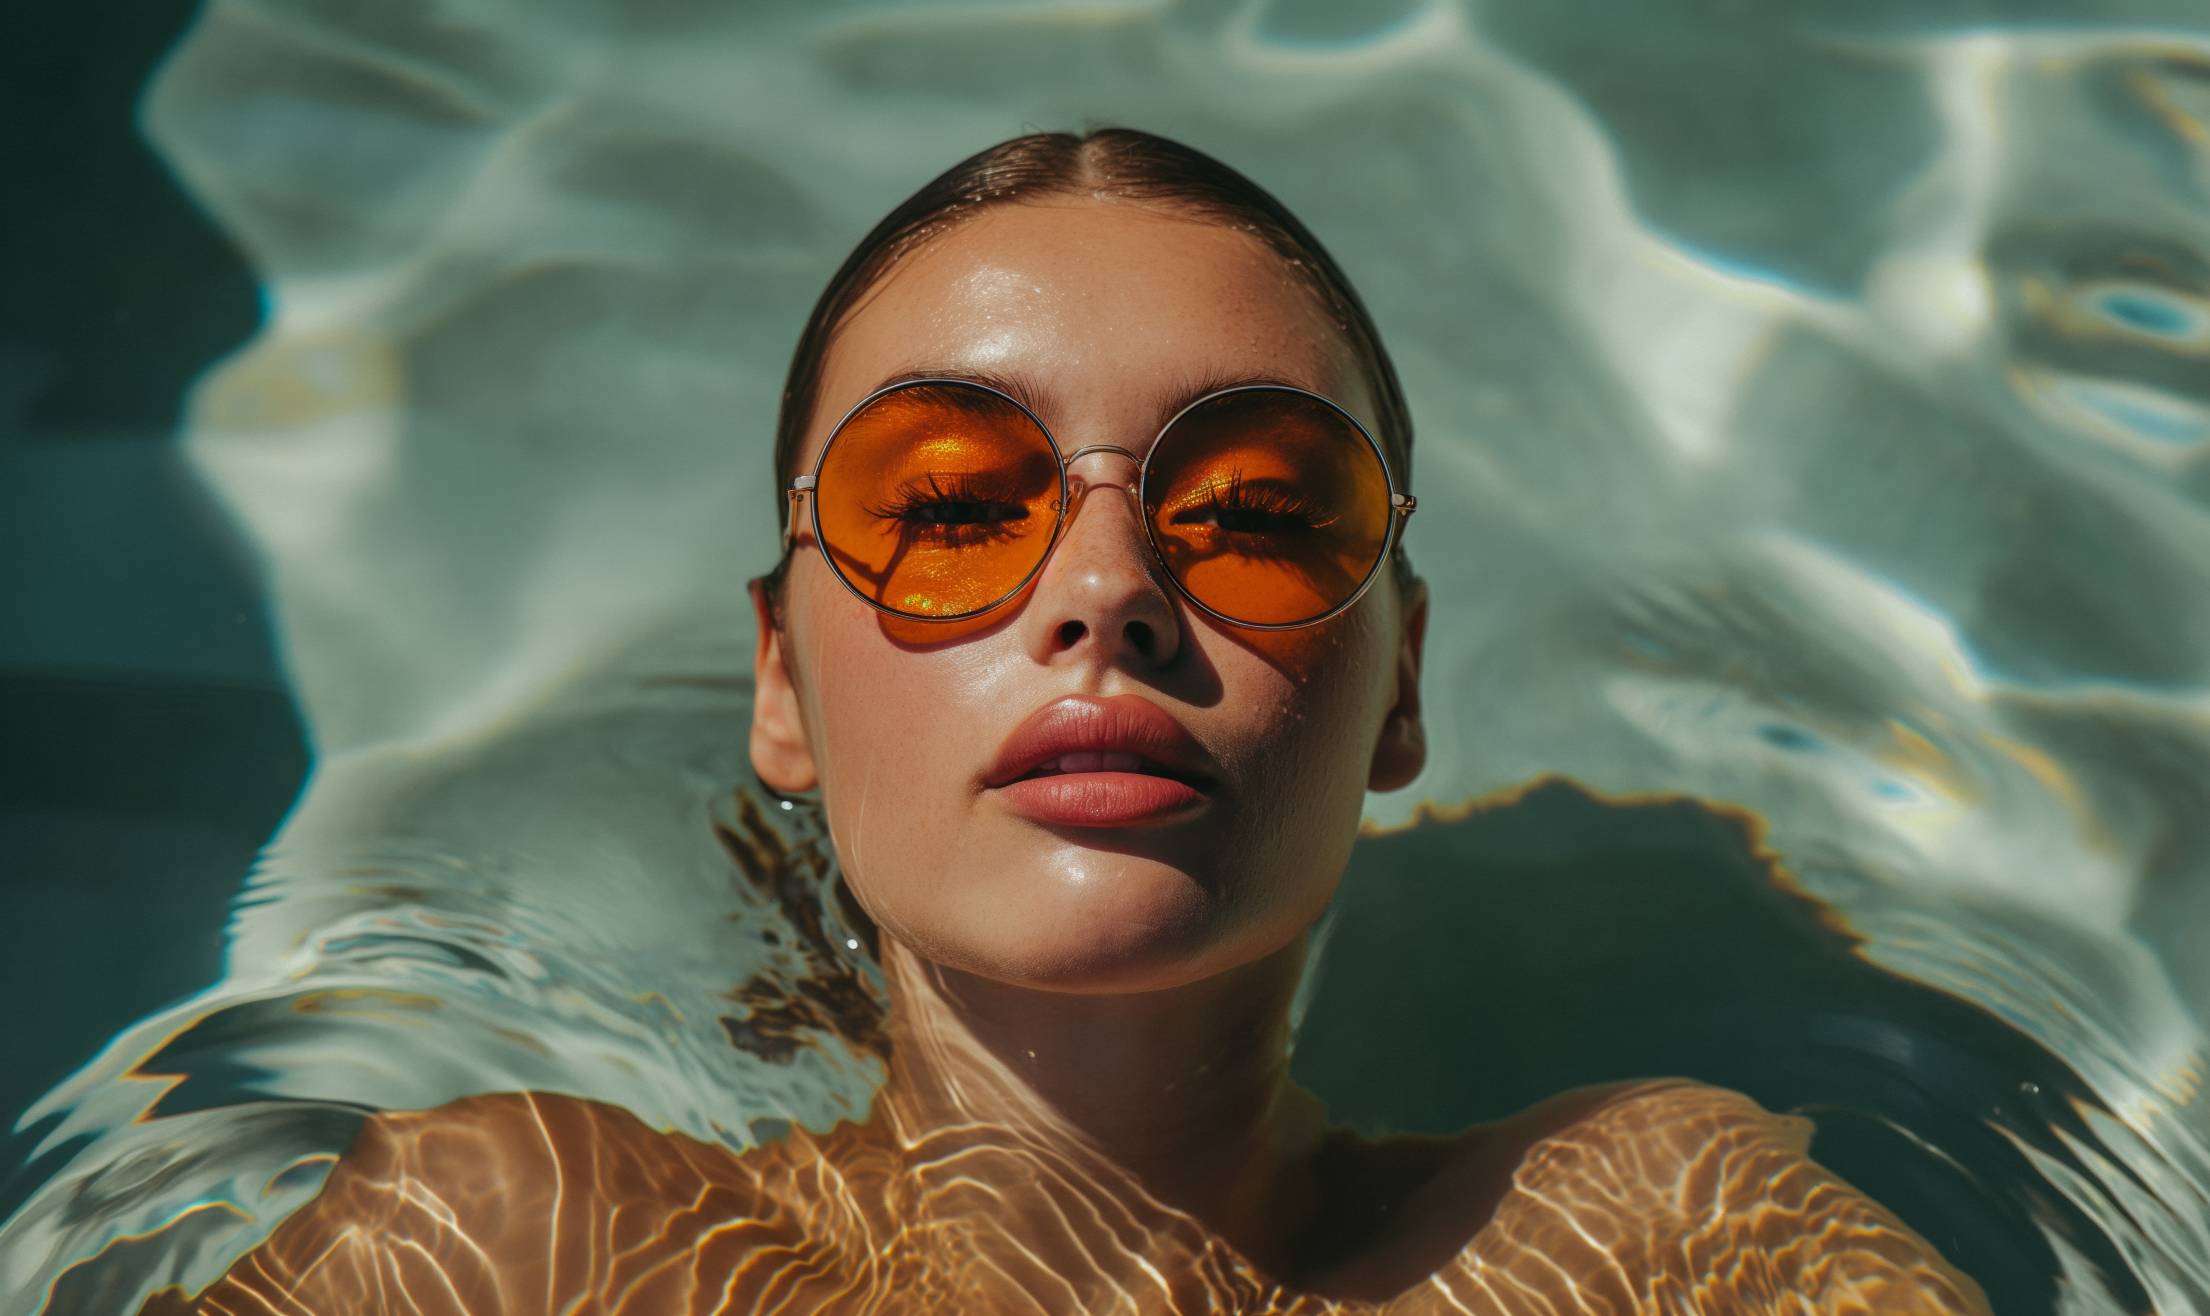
point(1814, 448)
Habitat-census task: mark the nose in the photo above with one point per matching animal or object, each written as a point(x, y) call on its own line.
point(1100, 593)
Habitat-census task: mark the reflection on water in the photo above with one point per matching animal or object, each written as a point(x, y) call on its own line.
point(1814, 416)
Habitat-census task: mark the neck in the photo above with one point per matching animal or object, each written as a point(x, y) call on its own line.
point(1186, 1090)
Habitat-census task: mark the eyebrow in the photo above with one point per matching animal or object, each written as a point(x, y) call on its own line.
point(1169, 397)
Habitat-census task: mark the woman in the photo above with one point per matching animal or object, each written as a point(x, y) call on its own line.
point(1092, 631)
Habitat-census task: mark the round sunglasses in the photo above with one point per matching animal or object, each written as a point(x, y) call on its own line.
point(1268, 506)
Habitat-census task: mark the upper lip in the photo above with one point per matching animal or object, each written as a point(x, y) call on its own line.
point(1128, 724)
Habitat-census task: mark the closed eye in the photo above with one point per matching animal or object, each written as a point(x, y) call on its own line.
point(1238, 506)
point(953, 509)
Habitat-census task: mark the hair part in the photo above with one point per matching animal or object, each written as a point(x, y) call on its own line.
point(1110, 164)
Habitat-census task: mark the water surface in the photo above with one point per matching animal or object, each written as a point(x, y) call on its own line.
point(1813, 413)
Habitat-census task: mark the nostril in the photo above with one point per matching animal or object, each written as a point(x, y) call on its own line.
point(1142, 638)
point(1070, 633)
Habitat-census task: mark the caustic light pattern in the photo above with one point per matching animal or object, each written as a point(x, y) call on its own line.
point(1672, 1197)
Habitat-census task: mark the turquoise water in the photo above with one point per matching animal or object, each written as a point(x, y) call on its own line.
point(1814, 415)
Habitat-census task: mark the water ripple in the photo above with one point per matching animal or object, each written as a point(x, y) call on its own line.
point(1814, 413)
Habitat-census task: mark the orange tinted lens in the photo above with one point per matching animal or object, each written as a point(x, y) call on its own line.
point(935, 500)
point(1269, 506)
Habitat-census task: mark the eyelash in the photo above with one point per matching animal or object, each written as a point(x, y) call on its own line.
point(908, 505)
point(1233, 495)
point(910, 508)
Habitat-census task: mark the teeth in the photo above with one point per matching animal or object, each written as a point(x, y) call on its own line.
point(1093, 760)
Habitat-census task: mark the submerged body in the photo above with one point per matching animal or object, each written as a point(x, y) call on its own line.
point(1663, 1196)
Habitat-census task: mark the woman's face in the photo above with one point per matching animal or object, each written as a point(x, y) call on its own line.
point(1106, 880)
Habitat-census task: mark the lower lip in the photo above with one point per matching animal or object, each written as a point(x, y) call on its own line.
point(1101, 799)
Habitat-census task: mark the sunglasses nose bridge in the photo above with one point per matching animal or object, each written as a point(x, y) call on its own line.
point(1098, 449)
point(1079, 483)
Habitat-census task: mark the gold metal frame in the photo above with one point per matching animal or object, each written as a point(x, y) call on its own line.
point(1401, 505)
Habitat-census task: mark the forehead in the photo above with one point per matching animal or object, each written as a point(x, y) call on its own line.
point(1114, 313)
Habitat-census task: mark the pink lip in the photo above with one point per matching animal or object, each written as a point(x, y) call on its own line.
point(1169, 781)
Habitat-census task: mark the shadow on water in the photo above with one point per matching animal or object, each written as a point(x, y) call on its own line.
point(120, 291)
point(1581, 941)
point(146, 746)
point(122, 838)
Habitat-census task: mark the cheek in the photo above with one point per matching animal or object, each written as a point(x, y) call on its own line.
point(864, 696)
point(1332, 679)
point(893, 731)
point(870, 734)
point(1315, 699)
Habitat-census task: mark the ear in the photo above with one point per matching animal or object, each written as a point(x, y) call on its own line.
point(1401, 751)
point(780, 753)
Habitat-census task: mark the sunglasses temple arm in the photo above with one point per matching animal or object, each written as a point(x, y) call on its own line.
point(1403, 504)
point(799, 488)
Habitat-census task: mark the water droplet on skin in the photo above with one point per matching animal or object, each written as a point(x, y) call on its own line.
point(851, 943)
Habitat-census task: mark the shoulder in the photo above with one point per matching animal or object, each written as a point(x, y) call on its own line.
point(1652, 1126)
point(1520, 1188)
point(1669, 1192)
point(515, 1164)
point(503, 1199)
point(1639, 1138)
point(514, 1137)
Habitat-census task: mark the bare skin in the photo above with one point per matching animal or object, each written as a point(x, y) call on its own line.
point(1089, 1106)
point(1658, 1197)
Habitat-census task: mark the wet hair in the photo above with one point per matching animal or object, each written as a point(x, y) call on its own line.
point(1116, 164)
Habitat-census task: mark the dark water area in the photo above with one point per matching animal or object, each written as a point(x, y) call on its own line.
point(147, 745)
point(1558, 940)
point(129, 814)
point(120, 292)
